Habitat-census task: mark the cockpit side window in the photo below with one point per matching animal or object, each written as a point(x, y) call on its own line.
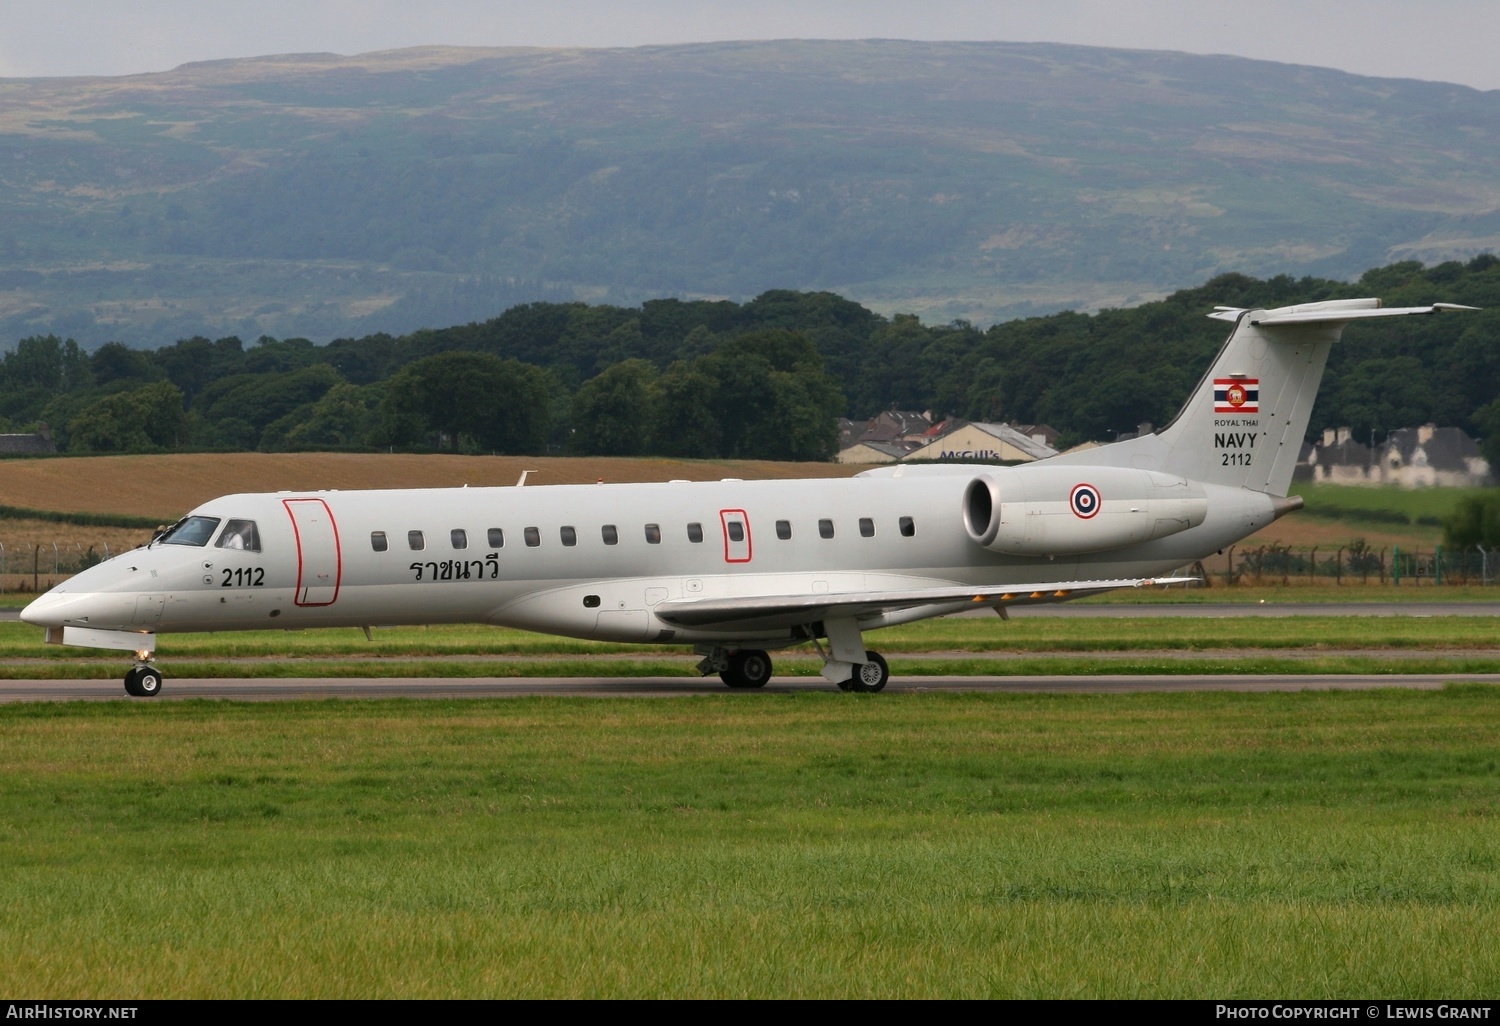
point(239, 534)
point(190, 531)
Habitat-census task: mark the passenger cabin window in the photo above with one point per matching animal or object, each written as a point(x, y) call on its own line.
point(459, 537)
point(239, 534)
point(533, 537)
point(496, 538)
point(378, 542)
point(695, 533)
point(653, 534)
point(415, 540)
point(610, 535)
point(784, 530)
point(569, 536)
point(736, 530)
point(190, 531)
point(866, 527)
point(908, 527)
point(825, 528)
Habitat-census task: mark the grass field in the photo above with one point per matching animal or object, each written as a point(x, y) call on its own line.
point(815, 845)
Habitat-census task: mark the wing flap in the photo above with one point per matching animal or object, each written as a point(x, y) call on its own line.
point(759, 612)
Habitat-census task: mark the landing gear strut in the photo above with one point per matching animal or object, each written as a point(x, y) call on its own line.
point(143, 681)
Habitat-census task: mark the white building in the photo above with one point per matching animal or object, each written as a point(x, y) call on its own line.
point(988, 443)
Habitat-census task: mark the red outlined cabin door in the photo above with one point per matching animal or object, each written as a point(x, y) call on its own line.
point(736, 526)
point(319, 561)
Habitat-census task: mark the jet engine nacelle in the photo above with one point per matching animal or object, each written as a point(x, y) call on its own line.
point(1057, 511)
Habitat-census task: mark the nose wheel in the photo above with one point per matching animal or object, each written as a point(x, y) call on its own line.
point(869, 676)
point(143, 681)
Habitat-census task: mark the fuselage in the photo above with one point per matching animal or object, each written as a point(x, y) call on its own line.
point(589, 561)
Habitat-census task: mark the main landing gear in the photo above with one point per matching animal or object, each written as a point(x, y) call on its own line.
point(746, 668)
point(143, 681)
point(751, 668)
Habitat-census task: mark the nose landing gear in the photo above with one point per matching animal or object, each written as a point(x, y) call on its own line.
point(846, 662)
point(869, 676)
point(143, 681)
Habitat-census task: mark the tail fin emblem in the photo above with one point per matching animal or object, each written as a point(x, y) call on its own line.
point(1236, 395)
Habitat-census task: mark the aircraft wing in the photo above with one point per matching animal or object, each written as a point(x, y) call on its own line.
point(769, 611)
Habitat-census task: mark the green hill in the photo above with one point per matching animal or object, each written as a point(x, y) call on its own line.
point(318, 195)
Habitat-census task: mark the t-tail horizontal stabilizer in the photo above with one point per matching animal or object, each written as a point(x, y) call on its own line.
point(1243, 424)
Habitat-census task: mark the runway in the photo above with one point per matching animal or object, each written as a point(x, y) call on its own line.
point(243, 689)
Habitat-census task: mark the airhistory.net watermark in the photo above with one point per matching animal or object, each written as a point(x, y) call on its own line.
point(50, 1010)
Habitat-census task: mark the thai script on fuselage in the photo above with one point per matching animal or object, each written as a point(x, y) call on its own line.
point(458, 569)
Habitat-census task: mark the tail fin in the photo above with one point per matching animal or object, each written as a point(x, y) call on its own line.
point(1244, 423)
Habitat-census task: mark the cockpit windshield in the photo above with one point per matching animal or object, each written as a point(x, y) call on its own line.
point(239, 534)
point(190, 531)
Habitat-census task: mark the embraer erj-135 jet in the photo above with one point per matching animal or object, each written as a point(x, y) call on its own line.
point(737, 568)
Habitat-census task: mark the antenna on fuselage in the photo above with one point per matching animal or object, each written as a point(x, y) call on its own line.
point(522, 479)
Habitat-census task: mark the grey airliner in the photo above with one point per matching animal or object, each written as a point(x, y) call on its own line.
point(737, 569)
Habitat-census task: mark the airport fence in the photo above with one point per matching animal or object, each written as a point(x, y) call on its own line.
point(37, 566)
point(1349, 565)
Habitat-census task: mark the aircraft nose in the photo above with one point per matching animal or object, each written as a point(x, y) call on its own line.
point(55, 609)
point(46, 611)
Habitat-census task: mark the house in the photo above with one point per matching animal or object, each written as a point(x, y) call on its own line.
point(1425, 456)
point(1419, 457)
point(874, 452)
point(36, 444)
point(1044, 433)
point(884, 438)
point(1338, 459)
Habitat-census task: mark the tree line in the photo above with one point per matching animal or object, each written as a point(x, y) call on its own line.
point(762, 379)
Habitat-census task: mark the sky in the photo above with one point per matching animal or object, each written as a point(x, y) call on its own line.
point(1437, 40)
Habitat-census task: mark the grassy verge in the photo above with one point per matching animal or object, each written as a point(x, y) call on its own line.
point(1196, 845)
point(1385, 505)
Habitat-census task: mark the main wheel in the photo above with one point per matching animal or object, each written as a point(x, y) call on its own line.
point(748, 668)
point(870, 676)
point(148, 682)
point(143, 681)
